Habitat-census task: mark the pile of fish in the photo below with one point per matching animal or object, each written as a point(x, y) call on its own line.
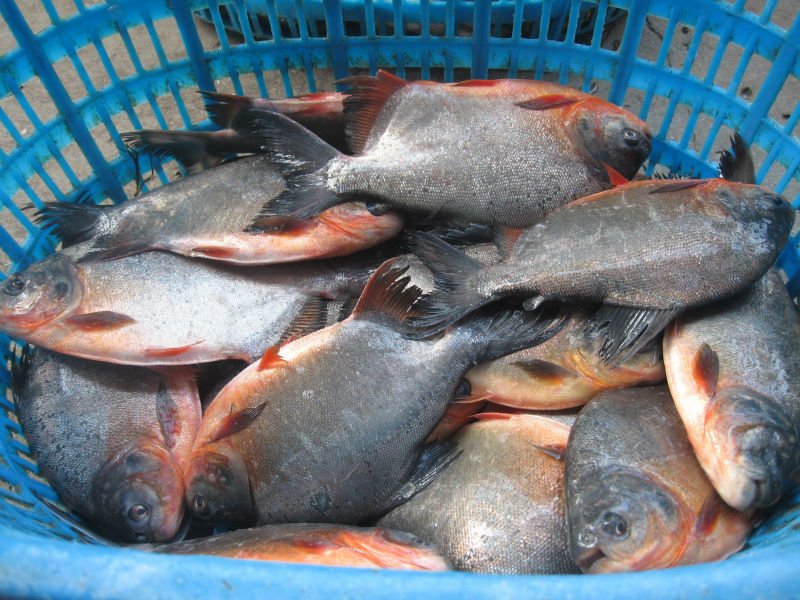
point(416, 316)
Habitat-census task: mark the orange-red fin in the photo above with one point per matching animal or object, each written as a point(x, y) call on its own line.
point(236, 422)
point(493, 416)
point(710, 513)
point(387, 292)
point(368, 96)
point(548, 102)
point(217, 252)
point(545, 371)
point(169, 352)
point(615, 177)
point(104, 320)
point(167, 412)
point(506, 238)
point(678, 185)
point(272, 359)
point(705, 370)
point(322, 97)
point(314, 546)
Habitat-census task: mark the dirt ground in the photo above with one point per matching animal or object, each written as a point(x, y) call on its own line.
point(54, 183)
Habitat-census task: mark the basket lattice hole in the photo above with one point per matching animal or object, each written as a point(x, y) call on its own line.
point(142, 44)
point(115, 49)
point(656, 113)
point(19, 120)
point(147, 117)
point(324, 79)
point(60, 176)
point(502, 20)
point(701, 132)
point(652, 39)
point(70, 79)
point(26, 506)
point(34, 475)
point(677, 125)
point(355, 20)
point(702, 62)
point(209, 38)
point(634, 97)
point(76, 160)
point(26, 457)
point(786, 101)
point(40, 188)
point(731, 56)
point(679, 46)
point(121, 122)
point(8, 487)
point(194, 103)
point(102, 137)
point(88, 55)
point(754, 75)
point(774, 175)
point(169, 36)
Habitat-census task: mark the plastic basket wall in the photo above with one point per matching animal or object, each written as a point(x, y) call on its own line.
point(59, 134)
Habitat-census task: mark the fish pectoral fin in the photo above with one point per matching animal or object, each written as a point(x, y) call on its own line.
point(432, 462)
point(737, 164)
point(106, 250)
point(216, 252)
point(193, 149)
point(167, 412)
point(103, 320)
point(70, 222)
point(272, 359)
point(626, 330)
point(705, 370)
point(366, 99)
point(280, 225)
point(547, 102)
point(615, 178)
point(236, 422)
point(546, 371)
point(169, 352)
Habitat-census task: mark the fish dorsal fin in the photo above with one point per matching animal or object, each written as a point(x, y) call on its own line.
point(236, 422)
point(387, 292)
point(506, 238)
point(678, 185)
point(368, 96)
point(705, 370)
point(311, 318)
point(547, 102)
point(737, 164)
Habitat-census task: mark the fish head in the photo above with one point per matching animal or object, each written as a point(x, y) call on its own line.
point(38, 295)
point(621, 520)
point(218, 486)
point(139, 494)
point(612, 136)
point(770, 213)
point(755, 444)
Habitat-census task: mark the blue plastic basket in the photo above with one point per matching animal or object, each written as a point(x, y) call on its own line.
point(59, 134)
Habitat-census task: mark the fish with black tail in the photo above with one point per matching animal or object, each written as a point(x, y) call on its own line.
point(213, 215)
point(499, 508)
point(647, 250)
point(498, 152)
point(637, 498)
point(112, 440)
point(159, 308)
point(331, 427)
point(734, 371)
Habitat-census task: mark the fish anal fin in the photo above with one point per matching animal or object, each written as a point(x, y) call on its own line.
point(705, 370)
point(103, 320)
point(368, 96)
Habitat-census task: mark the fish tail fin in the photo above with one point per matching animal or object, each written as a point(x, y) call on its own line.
point(507, 331)
point(737, 164)
point(195, 150)
point(453, 275)
point(70, 222)
point(302, 158)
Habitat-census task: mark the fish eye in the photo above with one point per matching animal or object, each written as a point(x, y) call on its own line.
point(377, 209)
point(14, 285)
point(138, 513)
point(614, 524)
point(630, 136)
point(61, 289)
point(463, 389)
point(199, 505)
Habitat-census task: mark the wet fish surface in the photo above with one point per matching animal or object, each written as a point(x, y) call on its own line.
point(112, 440)
point(734, 369)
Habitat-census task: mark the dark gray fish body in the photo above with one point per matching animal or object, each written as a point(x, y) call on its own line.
point(160, 308)
point(112, 440)
point(637, 498)
point(499, 508)
point(647, 250)
point(342, 417)
point(734, 368)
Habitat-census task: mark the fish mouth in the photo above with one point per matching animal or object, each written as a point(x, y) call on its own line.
point(588, 557)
